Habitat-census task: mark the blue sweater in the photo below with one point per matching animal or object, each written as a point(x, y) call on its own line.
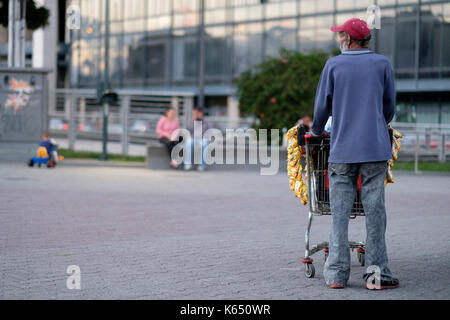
point(357, 88)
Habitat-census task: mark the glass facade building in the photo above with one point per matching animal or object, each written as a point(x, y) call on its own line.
point(155, 44)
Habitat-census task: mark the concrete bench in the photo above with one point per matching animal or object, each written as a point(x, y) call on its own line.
point(157, 157)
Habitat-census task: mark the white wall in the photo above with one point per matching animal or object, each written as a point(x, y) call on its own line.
point(45, 48)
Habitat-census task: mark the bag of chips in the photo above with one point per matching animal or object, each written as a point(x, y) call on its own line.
point(298, 175)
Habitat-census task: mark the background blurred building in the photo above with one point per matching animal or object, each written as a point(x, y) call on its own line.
point(155, 45)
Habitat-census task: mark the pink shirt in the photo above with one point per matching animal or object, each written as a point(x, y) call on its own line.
point(166, 128)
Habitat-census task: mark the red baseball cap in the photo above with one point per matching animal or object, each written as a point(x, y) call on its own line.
point(355, 28)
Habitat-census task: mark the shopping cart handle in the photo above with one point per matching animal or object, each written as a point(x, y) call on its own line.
point(307, 137)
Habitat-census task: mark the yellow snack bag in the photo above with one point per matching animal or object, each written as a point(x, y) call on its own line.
point(291, 132)
point(396, 134)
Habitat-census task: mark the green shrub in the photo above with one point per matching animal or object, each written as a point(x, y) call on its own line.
point(280, 90)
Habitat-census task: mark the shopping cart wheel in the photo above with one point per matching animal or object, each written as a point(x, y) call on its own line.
point(310, 271)
point(361, 258)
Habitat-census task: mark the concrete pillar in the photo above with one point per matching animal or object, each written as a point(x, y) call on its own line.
point(67, 103)
point(72, 123)
point(232, 112)
point(174, 104)
point(416, 155)
point(442, 155)
point(16, 38)
point(45, 42)
point(125, 108)
point(188, 105)
point(82, 111)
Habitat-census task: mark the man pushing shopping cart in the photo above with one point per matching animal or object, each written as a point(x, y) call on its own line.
point(357, 88)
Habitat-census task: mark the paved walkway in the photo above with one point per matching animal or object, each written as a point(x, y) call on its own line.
point(141, 234)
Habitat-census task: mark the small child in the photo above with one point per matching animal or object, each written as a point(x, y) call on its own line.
point(46, 152)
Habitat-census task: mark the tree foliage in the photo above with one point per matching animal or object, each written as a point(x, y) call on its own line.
point(280, 90)
point(35, 17)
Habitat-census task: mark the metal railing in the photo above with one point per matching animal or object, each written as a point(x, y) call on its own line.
point(424, 141)
point(76, 114)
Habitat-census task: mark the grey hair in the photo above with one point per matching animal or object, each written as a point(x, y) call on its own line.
point(364, 43)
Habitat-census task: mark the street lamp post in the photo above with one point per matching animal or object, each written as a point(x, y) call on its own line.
point(105, 102)
point(16, 33)
point(201, 56)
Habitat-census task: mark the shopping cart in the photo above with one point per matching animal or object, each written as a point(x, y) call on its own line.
point(317, 150)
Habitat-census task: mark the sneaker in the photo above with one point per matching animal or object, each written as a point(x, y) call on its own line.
point(384, 284)
point(187, 167)
point(201, 168)
point(31, 163)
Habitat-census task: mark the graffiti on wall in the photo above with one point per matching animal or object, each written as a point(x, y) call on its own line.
point(20, 98)
point(17, 119)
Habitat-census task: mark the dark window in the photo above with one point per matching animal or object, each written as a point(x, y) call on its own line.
point(406, 43)
point(430, 45)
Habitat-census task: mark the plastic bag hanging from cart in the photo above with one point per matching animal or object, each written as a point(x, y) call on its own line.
point(297, 160)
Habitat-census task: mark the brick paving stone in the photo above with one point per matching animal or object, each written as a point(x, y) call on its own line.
point(140, 234)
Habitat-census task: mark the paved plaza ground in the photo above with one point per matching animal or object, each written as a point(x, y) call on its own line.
point(141, 234)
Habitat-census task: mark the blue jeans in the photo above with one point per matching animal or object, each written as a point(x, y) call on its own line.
point(343, 188)
point(189, 150)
